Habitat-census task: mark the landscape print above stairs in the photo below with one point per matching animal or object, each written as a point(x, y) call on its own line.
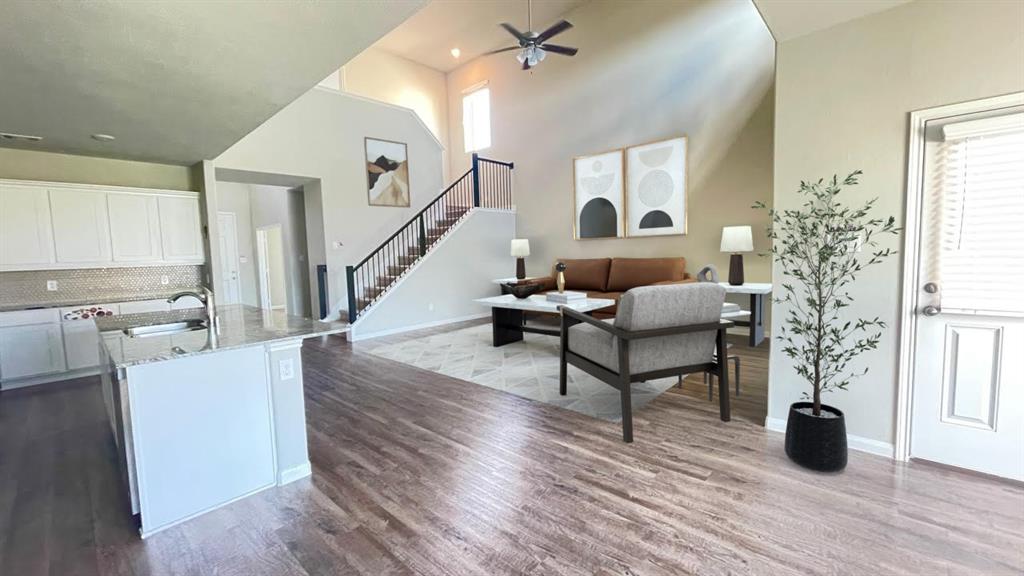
point(387, 173)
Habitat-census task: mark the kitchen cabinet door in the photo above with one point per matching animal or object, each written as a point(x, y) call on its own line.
point(81, 226)
point(26, 236)
point(180, 228)
point(31, 350)
point(81, 344)
point(134, 227)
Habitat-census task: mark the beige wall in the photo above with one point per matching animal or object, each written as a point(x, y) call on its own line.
point(52, 167)
point(320, 137)
point(646, 70)
point(388, 78)
point(843, 96)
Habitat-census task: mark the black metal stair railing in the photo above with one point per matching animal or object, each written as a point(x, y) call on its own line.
point(487, 184)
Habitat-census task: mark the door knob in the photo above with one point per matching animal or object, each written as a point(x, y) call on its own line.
point(930, 310)
point(931, 287)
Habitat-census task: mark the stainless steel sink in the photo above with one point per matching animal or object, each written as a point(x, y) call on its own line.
point(166, 329)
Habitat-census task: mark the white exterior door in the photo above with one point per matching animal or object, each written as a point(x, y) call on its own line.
point(230, 290)
point(968, 374)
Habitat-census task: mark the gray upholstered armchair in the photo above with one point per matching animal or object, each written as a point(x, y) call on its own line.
point(657, 332)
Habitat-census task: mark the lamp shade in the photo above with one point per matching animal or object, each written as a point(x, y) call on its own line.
point(520, 247)
point(736, 239)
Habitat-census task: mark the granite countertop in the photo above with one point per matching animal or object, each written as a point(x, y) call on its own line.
point(110, 299)
point(240, 326)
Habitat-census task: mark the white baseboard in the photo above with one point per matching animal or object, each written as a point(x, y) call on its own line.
point(294, 473)
point(858, 443)
point(48, 378)
point(355, 336)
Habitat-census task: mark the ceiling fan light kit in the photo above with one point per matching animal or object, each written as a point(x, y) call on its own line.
point(533, 47)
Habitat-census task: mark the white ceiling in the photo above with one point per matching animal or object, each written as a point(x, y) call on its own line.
point(472, 27)
point(175, 82)
point(788, 19)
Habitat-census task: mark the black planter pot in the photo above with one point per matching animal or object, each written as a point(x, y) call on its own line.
point(816, 442)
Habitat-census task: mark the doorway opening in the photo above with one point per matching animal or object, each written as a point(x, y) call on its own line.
point(270, 235)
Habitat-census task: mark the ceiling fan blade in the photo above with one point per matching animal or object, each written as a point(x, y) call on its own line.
point(555, 29)
point(501, 50)
point(564, 50)
point(512, 30)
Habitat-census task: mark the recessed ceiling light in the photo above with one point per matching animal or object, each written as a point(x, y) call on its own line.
point(13, 136)
point(103, 137)
point(456, 52)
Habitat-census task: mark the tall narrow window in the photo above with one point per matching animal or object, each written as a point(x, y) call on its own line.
point(981, 185)
point(476, 118)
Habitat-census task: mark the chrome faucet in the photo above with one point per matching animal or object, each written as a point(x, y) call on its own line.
point(206, 297)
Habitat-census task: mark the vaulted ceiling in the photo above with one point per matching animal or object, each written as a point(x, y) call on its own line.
point(429, 35)
point(788, 19)
point(173, 81)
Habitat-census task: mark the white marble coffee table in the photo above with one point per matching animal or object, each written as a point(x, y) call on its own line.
point(507, 314)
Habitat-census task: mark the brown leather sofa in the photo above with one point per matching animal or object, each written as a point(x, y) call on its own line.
point(612, 277)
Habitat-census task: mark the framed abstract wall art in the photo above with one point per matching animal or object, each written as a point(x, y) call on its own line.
point(597, 194)
point(656, 188)
point(387, 173)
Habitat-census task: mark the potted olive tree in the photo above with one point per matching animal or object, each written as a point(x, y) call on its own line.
point(821, 248)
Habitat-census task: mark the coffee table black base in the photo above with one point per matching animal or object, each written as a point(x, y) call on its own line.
point(508, 326)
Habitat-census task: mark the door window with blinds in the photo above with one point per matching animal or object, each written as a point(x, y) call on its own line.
point(976, 244)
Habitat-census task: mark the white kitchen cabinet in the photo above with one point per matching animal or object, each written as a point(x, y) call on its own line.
point(180, 225)
point(81, 344)
point(31, 350)
point(26, 236)
point(160, 305)
point(134, 227)
point(81, 226)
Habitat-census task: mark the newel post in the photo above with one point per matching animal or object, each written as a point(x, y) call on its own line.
point(350, 279)
point(476, 180)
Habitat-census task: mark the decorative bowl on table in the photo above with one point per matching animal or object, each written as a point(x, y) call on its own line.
point(522, 290)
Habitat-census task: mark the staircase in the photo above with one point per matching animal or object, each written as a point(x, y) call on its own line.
point(487, 184)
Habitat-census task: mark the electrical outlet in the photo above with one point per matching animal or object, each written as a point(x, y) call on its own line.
point(165, 280)
point(430, 307)
point(286, 369)
point(51, 285)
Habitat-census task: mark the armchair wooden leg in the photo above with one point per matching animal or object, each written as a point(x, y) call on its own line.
point(562, 368)
point(625, 391)
point(627, 414)
point(723, 378)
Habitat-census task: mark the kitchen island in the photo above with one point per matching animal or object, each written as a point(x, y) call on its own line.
point(201, 416)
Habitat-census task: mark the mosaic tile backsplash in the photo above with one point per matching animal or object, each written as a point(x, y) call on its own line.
point(95, 285)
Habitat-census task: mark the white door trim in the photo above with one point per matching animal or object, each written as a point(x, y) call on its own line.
point(912, 252)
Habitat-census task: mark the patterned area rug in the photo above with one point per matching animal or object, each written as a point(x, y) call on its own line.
point(528, 369)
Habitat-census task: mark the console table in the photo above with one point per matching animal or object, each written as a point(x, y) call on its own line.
point(757, 292)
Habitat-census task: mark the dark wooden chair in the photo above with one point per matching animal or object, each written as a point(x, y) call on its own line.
point(657, 332)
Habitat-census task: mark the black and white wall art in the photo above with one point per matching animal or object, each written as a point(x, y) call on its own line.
point(656, 188)
point(598, 182)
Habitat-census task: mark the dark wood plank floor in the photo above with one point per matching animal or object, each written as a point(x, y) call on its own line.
point(416, 473)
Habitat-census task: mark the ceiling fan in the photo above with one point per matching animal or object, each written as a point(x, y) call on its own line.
point(533, 46)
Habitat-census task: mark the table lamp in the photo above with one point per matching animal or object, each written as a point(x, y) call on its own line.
point(520, 250)
point(737, 239)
